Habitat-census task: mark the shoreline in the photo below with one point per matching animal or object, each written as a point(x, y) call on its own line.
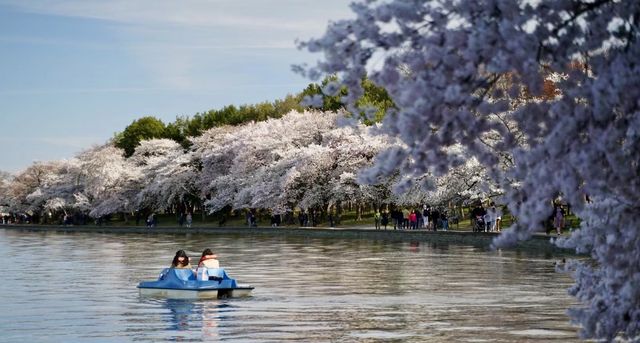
point(539, 243)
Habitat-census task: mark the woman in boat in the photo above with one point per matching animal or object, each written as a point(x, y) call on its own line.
point(207, 261)
point(181, 260)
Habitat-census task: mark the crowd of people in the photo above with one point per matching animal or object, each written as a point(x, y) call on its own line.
point(429, 218)
point(486, 220)
point(482, 219)
point(490, 219)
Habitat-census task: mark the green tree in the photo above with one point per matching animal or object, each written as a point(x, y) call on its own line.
point(183, 126)
point(141, 129)
point(286, 105)
point(374, 96)
point(178, 130)
point(227, 115)
point(195, 125)
point(329, 102)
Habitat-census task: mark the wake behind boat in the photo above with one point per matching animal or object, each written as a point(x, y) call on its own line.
point(179, 283)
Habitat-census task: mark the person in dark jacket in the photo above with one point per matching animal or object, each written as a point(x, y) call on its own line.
point(385, 219)
point(181, 260)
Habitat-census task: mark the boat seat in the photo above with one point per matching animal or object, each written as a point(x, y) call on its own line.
point(213, 274)
point(217, 274)
point(183, 274)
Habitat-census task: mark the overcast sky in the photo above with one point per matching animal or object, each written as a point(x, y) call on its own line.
point(74, 72)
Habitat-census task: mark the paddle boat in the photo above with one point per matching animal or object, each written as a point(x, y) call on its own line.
point(183, 284)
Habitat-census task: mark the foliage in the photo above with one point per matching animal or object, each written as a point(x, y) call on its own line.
point(331, 98)
point(374, 102)
point(140, 129)
point(178, 130)
point(184, 127)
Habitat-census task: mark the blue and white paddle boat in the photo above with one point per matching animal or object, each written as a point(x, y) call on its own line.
point(183, 284)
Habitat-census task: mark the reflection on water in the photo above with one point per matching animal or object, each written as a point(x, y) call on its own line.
point(181, 314)
point(193, 315)
point(312, 290)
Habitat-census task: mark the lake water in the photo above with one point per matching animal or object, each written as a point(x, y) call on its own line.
point(80, 287)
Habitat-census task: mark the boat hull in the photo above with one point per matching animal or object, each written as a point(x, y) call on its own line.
point(196, 294)
point(178, 293)
point(181, 284)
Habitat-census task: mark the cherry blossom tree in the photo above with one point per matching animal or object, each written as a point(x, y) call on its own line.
point(169, 173)
point(326, 171)
point(213, 163)
point(111, 181)
point(242, 166)
point(440, 62)
point(300, 160)
point(304, 160)
point(27, 185)
point(5, 198)
point(465, 184)
point(59, 188)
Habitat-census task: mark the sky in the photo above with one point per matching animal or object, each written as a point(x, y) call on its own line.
point(74, 72)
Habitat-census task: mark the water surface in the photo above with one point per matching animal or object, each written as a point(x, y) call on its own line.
point(80, 287)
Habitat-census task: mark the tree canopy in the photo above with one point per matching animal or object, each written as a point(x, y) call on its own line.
point(139, 130)
point(184, 126)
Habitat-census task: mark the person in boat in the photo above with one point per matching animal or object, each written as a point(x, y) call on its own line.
point(207, 261)
point(181, 260)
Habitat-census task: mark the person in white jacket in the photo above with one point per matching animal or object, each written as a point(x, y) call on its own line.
point(207, 261)
point(491, 216)
point(498, 219)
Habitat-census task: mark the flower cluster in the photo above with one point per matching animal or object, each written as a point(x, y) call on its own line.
point(442, 63)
